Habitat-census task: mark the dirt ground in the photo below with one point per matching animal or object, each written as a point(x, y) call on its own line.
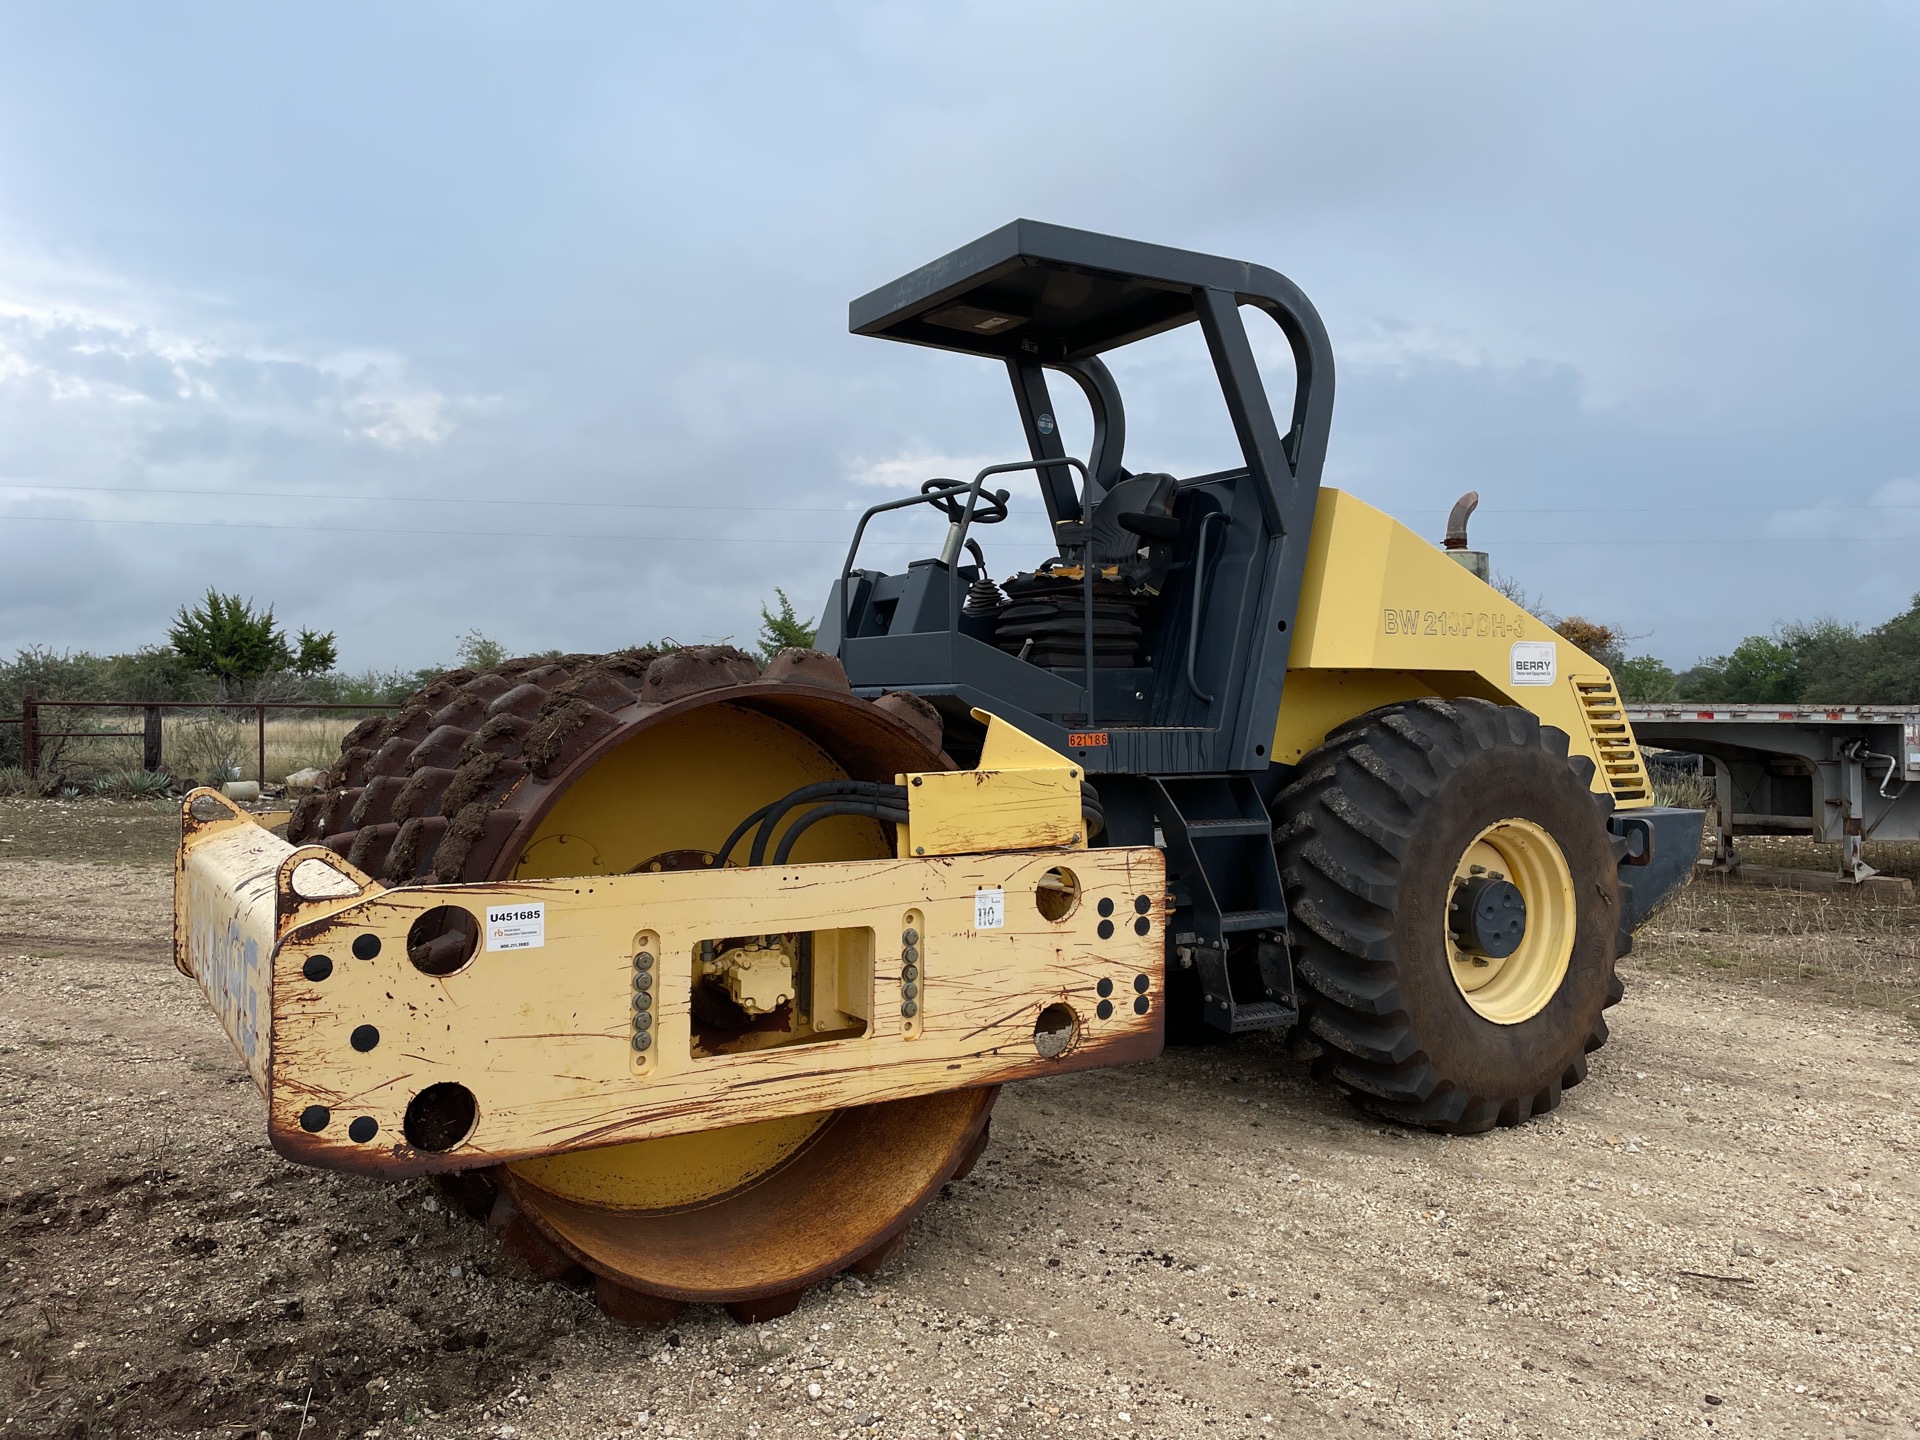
point(1718, 1231)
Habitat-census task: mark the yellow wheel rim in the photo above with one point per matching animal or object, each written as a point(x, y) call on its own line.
point(1516, 988)
point(679, 787)
point(673, 1172)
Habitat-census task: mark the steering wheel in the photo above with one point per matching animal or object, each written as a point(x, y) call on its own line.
point(949, 497)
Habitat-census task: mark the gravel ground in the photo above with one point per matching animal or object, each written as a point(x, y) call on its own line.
point(1717, 1231)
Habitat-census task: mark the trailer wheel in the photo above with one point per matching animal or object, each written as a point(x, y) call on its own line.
point(1455, 906)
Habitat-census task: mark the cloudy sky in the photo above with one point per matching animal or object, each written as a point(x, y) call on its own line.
point(414, 319)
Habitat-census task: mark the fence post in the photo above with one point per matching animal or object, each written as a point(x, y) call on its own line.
point(260, 713)
point(29, 726)
point(150, 751)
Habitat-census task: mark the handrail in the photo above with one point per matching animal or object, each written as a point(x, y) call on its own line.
point(1199, 592)
point(859, 530)
point(1086, 552)
point(956, 538)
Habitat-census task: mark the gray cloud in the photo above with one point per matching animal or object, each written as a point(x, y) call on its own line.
point(1640, 274)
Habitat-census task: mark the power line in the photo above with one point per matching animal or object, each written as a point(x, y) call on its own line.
point(798, 509)
point(1694, 541)
point(404, 499)
point(839, 541)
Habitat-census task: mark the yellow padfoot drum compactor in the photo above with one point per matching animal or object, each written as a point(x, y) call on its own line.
point(701, 977)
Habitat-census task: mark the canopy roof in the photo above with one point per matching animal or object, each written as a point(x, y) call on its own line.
point(1050, 293)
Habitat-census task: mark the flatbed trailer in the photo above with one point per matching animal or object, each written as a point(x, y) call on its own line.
point(1836, 773)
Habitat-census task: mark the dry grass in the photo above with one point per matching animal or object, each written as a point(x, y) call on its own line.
point(1796, 852)
point(205, 746)
point(1683, 791)
point(1852, 949)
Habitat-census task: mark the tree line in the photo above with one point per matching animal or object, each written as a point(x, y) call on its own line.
point(224, 647)
point(1813, 662)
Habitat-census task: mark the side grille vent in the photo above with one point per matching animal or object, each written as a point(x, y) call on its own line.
point(1620, 763)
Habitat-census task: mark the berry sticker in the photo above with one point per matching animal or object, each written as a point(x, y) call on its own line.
point(1535, 662)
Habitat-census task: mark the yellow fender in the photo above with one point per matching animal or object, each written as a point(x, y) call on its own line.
point(1386, 616)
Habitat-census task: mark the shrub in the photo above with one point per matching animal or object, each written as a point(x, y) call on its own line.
point(15, 782)
point(208, 747)
point(785, 629)
point(1682, 789)
point(477, 652)
point(1600, 640)
point(133, 784)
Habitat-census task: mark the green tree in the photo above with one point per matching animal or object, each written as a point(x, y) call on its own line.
point(784, 630)
point(153, 672)
point(1644, 680)
point(478, 652)
point(1835, 661)
point(225, 637)
point(317, 653)
point(1762, 670)
point(1880, 667)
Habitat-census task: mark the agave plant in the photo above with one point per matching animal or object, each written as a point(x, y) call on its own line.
point(134, 784)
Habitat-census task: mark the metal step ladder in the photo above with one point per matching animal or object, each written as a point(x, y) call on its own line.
point(1232, 924)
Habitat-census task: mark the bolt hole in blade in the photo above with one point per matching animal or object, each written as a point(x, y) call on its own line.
point(440, 1117)
point(1055, 1031)
point(443, 940)
point(1057, 895)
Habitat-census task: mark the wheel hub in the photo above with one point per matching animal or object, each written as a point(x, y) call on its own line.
point(1488, 916)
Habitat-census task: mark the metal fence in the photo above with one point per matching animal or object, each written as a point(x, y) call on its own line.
point(33, 730)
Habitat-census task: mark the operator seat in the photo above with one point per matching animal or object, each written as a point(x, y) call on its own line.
point(1133, 530)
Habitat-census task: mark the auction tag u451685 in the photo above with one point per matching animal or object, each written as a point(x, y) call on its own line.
point(517, 927)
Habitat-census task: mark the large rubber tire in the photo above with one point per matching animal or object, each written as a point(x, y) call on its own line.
point(1370, 834)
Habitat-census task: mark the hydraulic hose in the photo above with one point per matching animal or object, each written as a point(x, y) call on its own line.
point(770, 812)
point(826, 812)
point(873, 799)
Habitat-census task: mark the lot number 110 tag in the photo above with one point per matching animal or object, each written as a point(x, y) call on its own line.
point(989, 909)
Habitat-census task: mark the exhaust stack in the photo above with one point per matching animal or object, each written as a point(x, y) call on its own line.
point(1456, 542)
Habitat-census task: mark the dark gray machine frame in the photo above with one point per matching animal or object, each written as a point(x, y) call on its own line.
point(1040, 297)
point(1176, 746)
